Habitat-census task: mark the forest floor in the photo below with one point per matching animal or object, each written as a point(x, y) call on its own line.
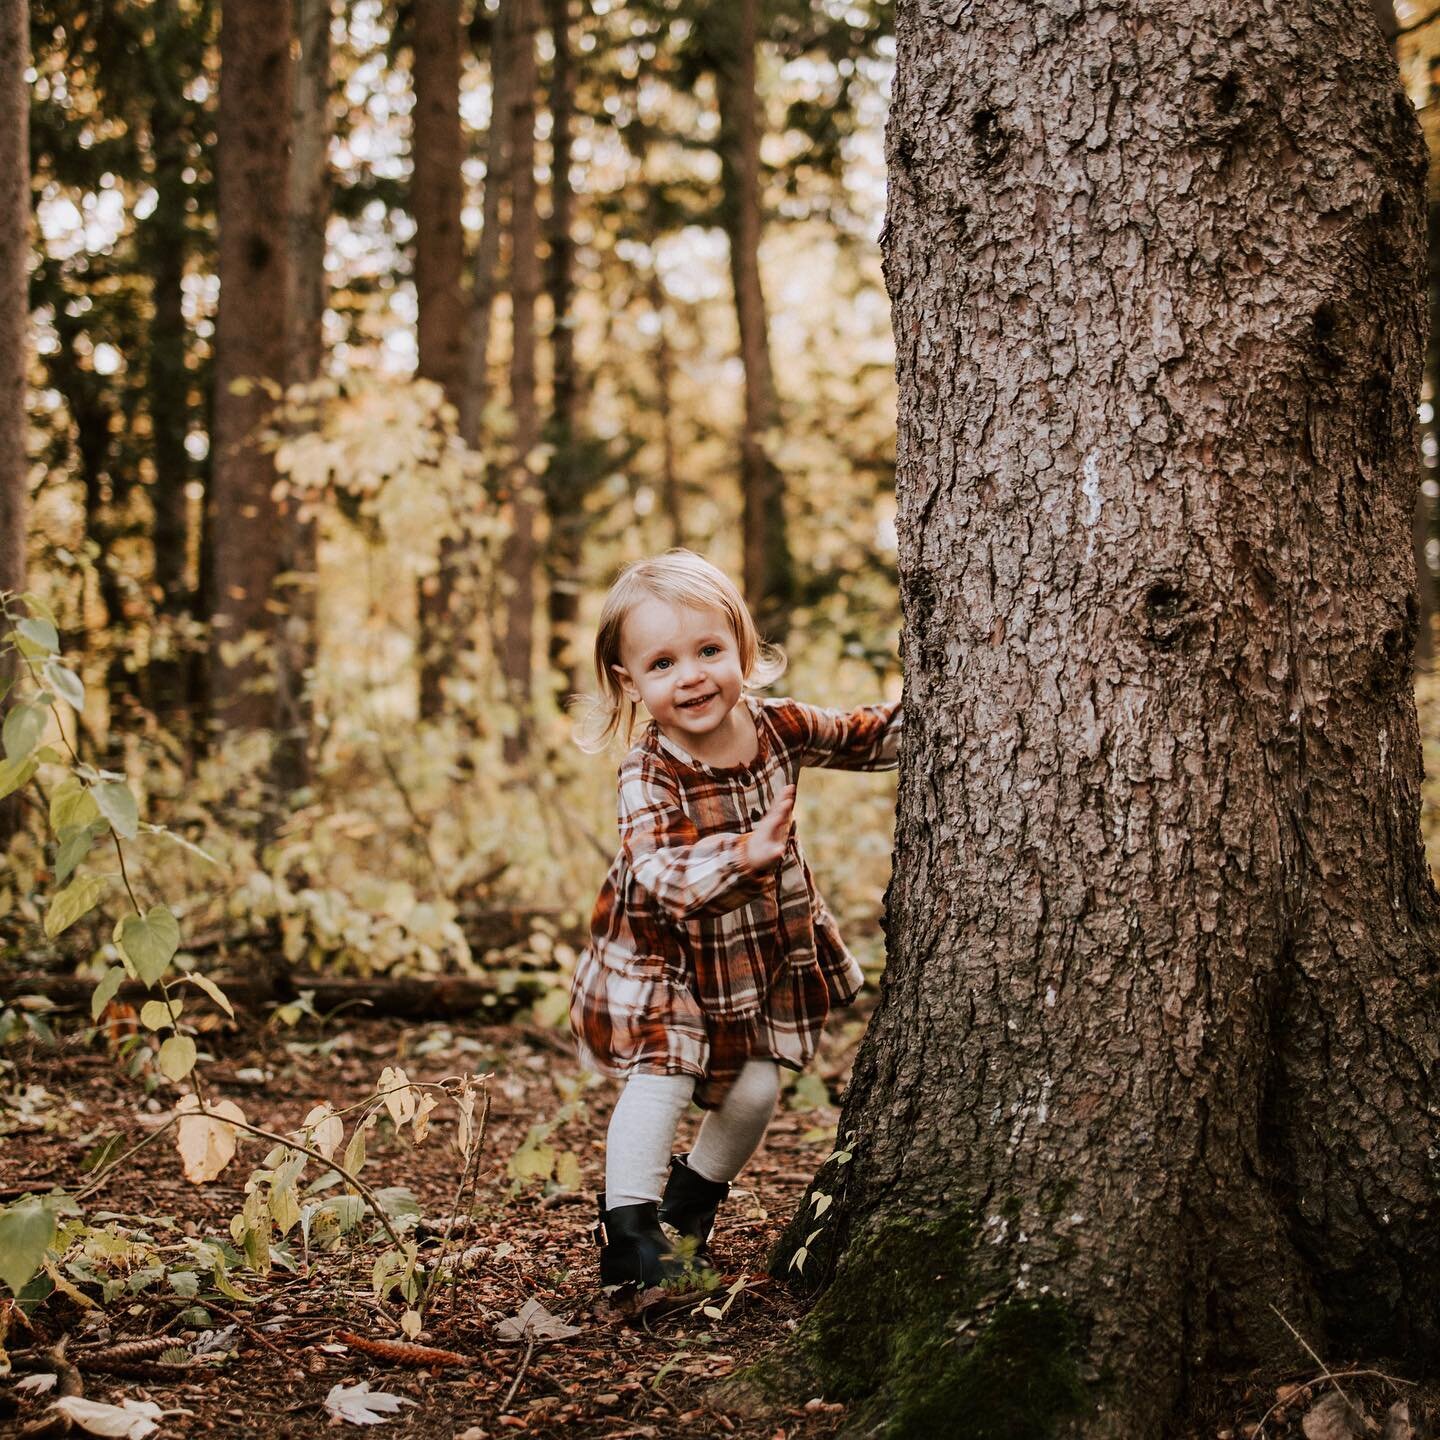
point(615, 1379)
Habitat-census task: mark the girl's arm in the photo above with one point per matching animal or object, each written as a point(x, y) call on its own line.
point(863, 739)
point(688, 876)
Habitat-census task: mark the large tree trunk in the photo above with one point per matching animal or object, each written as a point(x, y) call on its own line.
point(517, 651)
point(14, 318)
point(732, 39)
point(295, 585)
point(1159, 1039)
point(252, 164)
point(566, 475)
point(438, 152)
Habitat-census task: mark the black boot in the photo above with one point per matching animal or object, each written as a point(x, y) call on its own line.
point(633, 1247)
point(690, 1202)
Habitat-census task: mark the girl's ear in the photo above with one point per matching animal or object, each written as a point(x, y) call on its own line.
point(632, 692)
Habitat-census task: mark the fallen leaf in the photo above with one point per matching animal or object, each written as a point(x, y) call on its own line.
point(534, 1319)
point(1332, 1418)
point(1397, 1423)
point(36, 1384)
point(359, 1405)
point(132, 1419)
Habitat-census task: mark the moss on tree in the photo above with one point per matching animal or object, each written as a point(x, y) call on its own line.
point(909, 1336)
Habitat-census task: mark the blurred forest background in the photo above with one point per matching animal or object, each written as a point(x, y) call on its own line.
point(368, 339)
point(362, 355)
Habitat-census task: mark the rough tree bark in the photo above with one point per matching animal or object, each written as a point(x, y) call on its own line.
point(1157, 1045)
point(732, 37)
point(438, 152)
point(252, 163)
point(14, 316)
point(517, 648)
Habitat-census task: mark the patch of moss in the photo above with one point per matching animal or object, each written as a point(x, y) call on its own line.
point(1018, 1382)
point(884, 1337)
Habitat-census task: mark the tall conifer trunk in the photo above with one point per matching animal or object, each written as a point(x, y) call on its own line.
point(517, 650)
point(295, 589)
point(436, 199)
point(732, 33)
point(565, 476)
point(1159, 1039)
point(252, 164)
point(14, 316)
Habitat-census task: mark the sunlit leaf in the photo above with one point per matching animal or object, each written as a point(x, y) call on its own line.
point(24, 725)
point(118, 806)
point(205, 983)
point(177, 1057)
point(156, 1014)
point(14, 774)
point(71, 804)
point(42, 632)
point(78, 898)
point(66, 684)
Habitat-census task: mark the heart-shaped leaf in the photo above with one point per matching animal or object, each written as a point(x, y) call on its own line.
point(41, 632)
point(71, 804)
point(149, 942)
point(177, 1057)
point(118, 806)
point(24, 726)
point(26, 1230)
point(160, 1014)
point(14, 774)
point(66, 684)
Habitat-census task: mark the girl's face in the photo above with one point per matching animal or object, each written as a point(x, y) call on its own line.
point(682, 664)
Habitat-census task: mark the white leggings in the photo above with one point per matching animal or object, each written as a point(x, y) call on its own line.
point(647, 1115)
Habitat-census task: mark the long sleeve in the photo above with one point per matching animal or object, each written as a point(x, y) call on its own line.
point(864, 739)
point(687, 875)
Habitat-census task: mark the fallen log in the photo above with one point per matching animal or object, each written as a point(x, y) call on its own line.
point(410, 997)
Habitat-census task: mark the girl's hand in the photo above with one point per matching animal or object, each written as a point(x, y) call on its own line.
point(767, 840)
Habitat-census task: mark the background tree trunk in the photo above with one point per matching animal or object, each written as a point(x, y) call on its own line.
point(487, 252)
point(14, 318)
point(732, 37)
point(252, 164)
point(517, 653)
point(309, 215)
point(438, 152)
point(566, 474)
point(1158, 1039)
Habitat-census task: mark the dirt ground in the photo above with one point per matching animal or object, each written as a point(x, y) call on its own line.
point(614, 1379)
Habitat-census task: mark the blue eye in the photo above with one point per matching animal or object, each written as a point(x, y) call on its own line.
point(711, 650)
point(660, 665)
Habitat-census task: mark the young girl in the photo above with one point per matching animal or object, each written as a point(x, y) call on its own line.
point(712, 959)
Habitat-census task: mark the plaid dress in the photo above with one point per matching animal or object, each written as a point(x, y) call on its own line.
point(694, 964)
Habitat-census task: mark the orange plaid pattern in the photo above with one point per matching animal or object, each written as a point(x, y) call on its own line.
point(694, 963)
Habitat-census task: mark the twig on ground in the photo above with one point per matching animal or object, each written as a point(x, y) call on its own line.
point(520, 1373)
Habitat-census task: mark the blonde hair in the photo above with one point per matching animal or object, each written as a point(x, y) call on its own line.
point(679, 577)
